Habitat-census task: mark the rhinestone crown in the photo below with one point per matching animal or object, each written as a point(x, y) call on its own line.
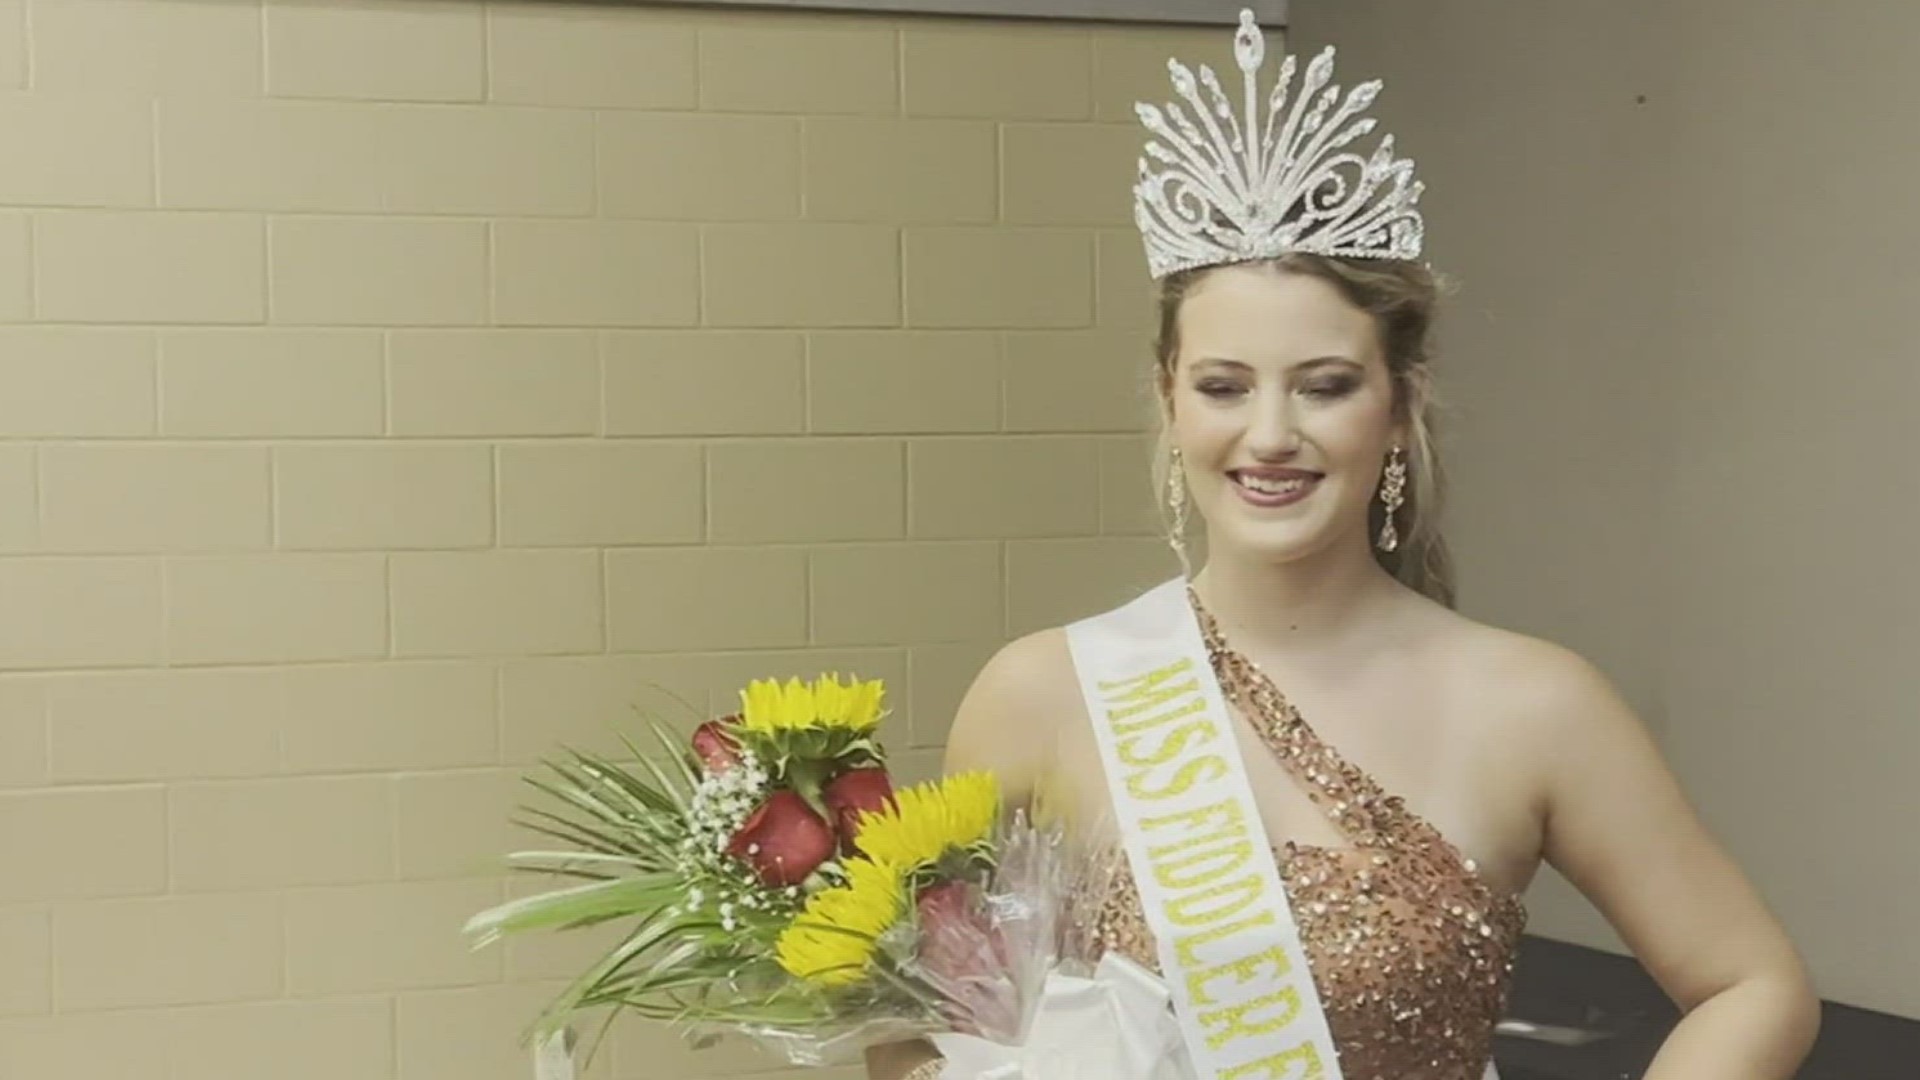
point(1222, 188)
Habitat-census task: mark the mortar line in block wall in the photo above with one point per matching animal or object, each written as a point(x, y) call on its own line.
point(999, 176)
point(500, 714)
point(598, 200)
point(1001, 374)
point(266, 51)
point(33, 262)
point(601, 567)
point(392, 794)
point(493, 494)
point(169, 859)
point(900, 278)
point(393, 1034)
point(36, 459)
point(806, 599)
point(900, 69)
point(154, 185)
point(806, 384)
point(164, 566)
point(285, 945)
point(486, 53)
point(699, 64)
point(491, 268)
point(386, 384)
point(700, 276)
point(386, 595)
point(706, 496)
point(266, 270)
point(800, 157)
point(1001, 549)
point(53, 967)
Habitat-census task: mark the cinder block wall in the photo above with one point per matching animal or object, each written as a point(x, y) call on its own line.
point(392, 390)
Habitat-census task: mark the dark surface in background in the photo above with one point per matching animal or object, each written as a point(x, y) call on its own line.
point(1576, 987)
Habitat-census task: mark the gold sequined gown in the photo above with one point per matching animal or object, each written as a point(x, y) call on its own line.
point(1410, 948)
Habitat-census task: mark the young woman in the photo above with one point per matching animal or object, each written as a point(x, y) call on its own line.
point(1332, 789)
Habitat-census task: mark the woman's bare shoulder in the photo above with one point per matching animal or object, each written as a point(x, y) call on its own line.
point(1525, 702)
point(1505, 659)
point(1536, 671)
point(1532, 689)
point(1009, 718)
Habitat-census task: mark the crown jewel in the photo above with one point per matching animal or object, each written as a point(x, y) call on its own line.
point(1223, 188)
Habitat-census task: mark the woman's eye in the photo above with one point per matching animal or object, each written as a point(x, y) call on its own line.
point(1330, 388)
point(1217, 388)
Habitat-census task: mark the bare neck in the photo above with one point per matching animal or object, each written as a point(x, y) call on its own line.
point(1321, 602)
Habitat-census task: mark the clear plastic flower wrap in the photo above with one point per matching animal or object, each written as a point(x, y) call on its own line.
point(988, 925)
point(773, 884)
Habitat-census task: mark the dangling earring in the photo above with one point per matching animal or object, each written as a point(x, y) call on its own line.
point(1177, 508)
point(1391, 487)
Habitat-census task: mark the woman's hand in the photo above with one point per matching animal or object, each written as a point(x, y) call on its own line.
point(1621, 830)
point(897, 1061)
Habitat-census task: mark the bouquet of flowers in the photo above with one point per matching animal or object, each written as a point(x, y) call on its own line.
point(775, 884)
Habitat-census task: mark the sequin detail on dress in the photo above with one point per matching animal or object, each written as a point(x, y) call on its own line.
point(1411, 949)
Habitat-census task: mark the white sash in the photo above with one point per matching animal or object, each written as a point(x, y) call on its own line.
point(1229, 948)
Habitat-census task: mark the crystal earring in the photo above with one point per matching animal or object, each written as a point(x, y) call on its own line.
point(1177, 508)
point(1392, 487)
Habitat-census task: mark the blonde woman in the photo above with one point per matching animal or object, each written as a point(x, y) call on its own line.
point(1331, 788)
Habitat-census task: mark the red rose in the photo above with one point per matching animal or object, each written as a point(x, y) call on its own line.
point(856, 792)
point(965, 957)
point(717, 749)
point(783, 841)
point(951, 925)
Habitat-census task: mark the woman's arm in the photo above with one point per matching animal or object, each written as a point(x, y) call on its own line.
point(993, 729)
point(897, 1061)
point(1621, 830)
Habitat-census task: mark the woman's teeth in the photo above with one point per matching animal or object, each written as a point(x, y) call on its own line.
point(1266, 486)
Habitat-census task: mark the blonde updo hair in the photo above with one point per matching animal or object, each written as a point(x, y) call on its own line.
point(1402, 298)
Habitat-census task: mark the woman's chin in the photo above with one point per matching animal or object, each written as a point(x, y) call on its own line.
point(1270, 541)
point(1269, 544)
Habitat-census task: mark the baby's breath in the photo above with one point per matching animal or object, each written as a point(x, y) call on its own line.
point(722, 802)
point(719, 884)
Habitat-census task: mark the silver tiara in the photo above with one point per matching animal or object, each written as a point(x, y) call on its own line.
point(1258, 186)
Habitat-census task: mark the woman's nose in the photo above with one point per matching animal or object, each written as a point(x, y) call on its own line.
point(1272, 432)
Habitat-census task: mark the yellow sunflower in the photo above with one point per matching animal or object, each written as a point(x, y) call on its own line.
point(832, 940)
point(928, 820)
point(767, 707)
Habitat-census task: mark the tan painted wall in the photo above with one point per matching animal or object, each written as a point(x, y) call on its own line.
point(389, 390)
point(1683, 352)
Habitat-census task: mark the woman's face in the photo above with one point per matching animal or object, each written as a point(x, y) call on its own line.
point(1282, 408)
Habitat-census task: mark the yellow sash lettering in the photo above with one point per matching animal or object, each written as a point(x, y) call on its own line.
point(1244, 1021)
point(1228, 812)
point(1203, 868)
point(1196, 704)
point(1203, 861)
point(1128, 698)
point(1277, 1066)
point(1172, 744)
point(1246, 969)
point(1226, 900)
point(1216, 837)
point(1203, 770)
point(1187, 946)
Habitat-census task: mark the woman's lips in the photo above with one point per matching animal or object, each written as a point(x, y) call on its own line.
point(1268, 489)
